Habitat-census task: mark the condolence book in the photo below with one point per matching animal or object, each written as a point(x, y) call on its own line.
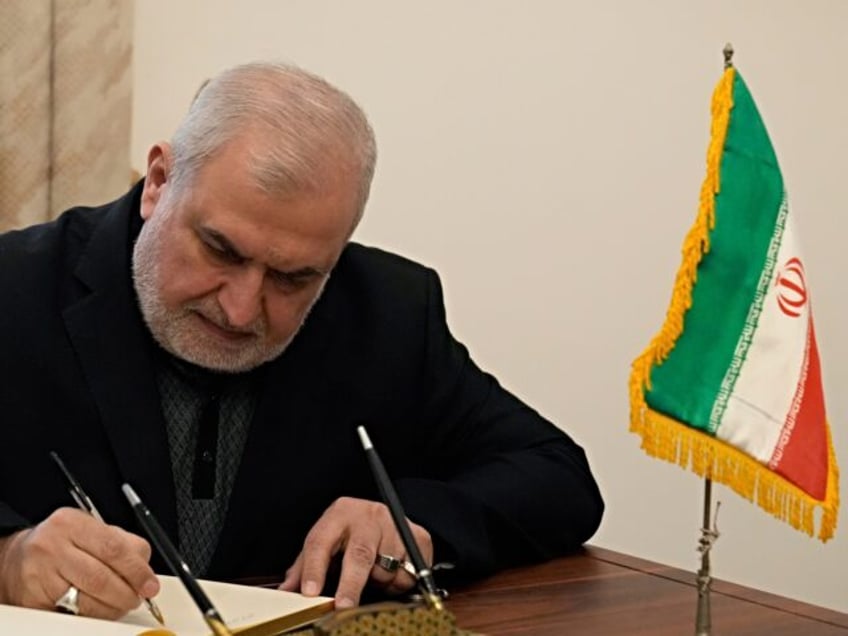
point(248, 611)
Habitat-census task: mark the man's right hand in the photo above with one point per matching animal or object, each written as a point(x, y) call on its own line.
point(108, 565)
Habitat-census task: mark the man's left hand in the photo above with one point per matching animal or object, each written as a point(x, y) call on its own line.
point(361, 530)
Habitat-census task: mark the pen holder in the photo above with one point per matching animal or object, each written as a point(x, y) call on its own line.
point(387, 619)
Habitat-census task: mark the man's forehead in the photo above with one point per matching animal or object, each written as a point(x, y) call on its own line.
point(331, 194)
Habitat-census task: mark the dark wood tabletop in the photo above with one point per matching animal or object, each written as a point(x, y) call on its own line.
point(600, 592)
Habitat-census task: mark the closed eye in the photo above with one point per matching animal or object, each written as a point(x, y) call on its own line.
point(225, 254)
point(292, 280)
point(220, 248)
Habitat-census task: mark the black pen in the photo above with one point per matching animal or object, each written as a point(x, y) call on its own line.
point(424, 574)
point(179, 567)
point(84, 502)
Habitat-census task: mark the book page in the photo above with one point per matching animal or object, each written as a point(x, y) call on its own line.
point(247, 610)
point(22, 620)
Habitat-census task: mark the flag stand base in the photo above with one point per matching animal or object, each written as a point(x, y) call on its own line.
point(709, 535)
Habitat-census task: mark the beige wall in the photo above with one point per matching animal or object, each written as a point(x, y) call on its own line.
point(546, 157)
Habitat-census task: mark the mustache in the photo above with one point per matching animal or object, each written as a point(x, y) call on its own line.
point(210, 310)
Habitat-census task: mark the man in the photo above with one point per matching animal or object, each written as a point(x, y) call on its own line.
point(213, 339)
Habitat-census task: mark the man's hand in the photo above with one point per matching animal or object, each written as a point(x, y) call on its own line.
point(108, 565)
point(362, 530)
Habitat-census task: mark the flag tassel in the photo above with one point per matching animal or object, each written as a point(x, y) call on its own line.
point(666, 438)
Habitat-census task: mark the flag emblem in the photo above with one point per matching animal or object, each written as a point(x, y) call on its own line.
point(793, 288)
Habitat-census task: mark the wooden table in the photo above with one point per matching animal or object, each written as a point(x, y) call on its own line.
point(602, 592)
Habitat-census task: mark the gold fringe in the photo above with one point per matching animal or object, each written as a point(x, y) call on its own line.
point(666, 438)
point(709, 457)
point(831, 501)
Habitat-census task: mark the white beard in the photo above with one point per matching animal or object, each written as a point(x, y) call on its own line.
point(178, 330)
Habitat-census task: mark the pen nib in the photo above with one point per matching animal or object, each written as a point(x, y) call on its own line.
point(154, 609)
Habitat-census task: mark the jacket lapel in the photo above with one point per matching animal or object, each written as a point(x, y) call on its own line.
point(114, 351)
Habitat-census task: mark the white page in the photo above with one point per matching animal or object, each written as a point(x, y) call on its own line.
point(239, 606)
point(20, 620)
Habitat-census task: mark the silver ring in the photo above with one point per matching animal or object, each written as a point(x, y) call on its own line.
point(392, 564)
point(388, 562)
point(69, 601)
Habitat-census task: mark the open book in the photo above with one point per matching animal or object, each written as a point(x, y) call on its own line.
point(248, 611)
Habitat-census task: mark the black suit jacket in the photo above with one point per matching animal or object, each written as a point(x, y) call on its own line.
point(491, 480)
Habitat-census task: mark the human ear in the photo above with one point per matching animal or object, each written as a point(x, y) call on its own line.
point(159, 163)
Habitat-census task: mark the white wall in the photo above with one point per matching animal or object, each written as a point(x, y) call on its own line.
point(546, 157)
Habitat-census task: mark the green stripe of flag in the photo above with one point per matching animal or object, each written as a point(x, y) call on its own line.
point(687, 384)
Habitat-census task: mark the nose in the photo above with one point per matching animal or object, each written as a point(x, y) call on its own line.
point(240, 297)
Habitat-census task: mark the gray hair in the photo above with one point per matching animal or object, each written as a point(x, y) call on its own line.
point(304, 130)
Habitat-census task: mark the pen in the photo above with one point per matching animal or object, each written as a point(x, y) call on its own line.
point(179, 567)
point(424, 574)
point(84, 502)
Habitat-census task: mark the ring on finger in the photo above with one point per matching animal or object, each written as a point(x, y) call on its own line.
point(69, 601)
point(392, 564)
point(388, 562)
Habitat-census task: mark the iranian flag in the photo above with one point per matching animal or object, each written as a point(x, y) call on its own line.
point(731, 385)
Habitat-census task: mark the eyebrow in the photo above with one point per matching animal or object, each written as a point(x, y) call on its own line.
point(226, 245)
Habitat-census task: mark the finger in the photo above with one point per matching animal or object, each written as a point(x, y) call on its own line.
point(401, 583)
point(292, 581)
point(125, 554)
point(97, 580)
point(94, 608)
point(137, 570)
point(381, 576)
point(88, 605)
point(321, 544)
point(404, 581)
point(391, 546)
point(424, 542)
point(357, 565)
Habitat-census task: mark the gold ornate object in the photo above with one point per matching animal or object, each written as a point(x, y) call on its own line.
point(387, 619)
